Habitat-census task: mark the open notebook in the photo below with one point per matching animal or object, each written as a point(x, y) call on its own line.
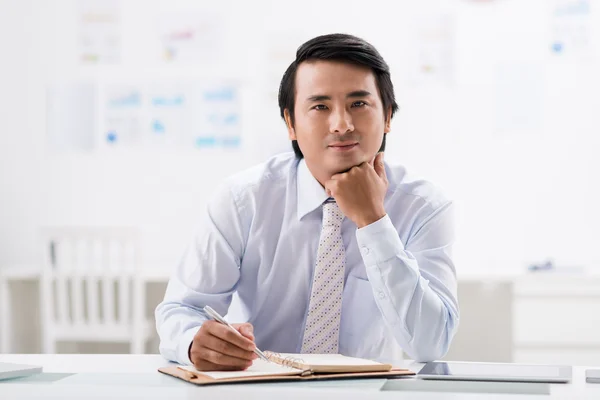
point(291, 367)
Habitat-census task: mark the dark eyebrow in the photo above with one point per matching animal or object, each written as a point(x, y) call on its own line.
point(356, 93)
point(318, 97)
point(359, 93)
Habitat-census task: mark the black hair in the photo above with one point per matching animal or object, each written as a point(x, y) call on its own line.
point(337, 47)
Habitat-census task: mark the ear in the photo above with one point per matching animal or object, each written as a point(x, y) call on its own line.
point(388, 121)
point(288, 123)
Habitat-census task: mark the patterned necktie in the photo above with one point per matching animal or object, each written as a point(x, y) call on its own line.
point(322, 329)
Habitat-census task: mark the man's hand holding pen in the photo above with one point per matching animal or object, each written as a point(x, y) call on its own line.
point(216, 347)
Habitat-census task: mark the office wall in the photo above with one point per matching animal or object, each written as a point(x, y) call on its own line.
point(509, 130)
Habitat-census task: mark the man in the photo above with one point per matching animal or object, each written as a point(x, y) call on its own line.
point(327, 250)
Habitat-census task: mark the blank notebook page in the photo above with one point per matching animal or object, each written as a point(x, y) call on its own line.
point(258, 368)
point(315, 360)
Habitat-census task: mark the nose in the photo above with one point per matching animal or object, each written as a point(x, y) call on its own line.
point(341, 121)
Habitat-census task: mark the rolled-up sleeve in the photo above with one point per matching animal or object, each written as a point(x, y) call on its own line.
point(415, 286)
point(206, 275)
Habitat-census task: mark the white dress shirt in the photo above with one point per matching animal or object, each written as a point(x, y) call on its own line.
point(254, 255)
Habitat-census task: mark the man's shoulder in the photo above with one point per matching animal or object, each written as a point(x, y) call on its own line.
point(413, 187)
point(270, 174)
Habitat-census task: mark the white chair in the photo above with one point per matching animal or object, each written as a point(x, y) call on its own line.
point(90, 288)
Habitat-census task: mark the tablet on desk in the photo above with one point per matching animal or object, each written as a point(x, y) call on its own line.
point(10, 371)
point(500, 372)
point(592, 375)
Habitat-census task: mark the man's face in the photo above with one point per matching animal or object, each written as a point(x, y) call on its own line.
point(339, 118)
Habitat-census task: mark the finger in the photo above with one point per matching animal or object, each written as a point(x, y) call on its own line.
point(331, 188)
point(246, 330)
point(380, 166)
point(203, 365)
point(358, 168)
point(221, 346)
point(199, 355)
point(219, 359)
point(224, 332)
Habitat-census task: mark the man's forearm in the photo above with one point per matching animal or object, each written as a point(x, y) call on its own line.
point(417, 297)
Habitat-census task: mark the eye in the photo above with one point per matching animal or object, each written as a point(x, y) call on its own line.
point(359, 103)
point(320, 107)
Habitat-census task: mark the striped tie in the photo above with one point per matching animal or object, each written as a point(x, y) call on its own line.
point(322, 329)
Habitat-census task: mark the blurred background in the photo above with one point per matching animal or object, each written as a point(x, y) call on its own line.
point(119, 118)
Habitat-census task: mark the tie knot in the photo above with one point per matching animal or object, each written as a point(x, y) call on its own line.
point(332, 215)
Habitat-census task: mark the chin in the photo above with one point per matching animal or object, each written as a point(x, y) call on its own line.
point(344, 164)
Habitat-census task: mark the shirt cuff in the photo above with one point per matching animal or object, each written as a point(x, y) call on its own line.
point(183, 355)
point(379, 241)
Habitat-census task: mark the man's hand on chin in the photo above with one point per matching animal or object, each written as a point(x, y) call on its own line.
point(360, 191)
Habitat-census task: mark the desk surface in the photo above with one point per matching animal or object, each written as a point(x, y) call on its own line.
point(90, 363)
point(135, 376)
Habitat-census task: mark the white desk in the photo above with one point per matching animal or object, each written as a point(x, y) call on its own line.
point(135, 376)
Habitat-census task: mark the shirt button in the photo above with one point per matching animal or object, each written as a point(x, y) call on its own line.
point(365, 250)
point(381, 294)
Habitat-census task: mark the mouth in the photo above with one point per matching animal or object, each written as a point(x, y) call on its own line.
point(343, 146)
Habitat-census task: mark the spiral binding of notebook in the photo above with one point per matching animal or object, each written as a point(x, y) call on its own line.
point(287, 361)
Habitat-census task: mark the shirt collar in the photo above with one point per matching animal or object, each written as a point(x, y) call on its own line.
point(310, 193)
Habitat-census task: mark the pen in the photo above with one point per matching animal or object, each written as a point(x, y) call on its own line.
point(215, 315)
